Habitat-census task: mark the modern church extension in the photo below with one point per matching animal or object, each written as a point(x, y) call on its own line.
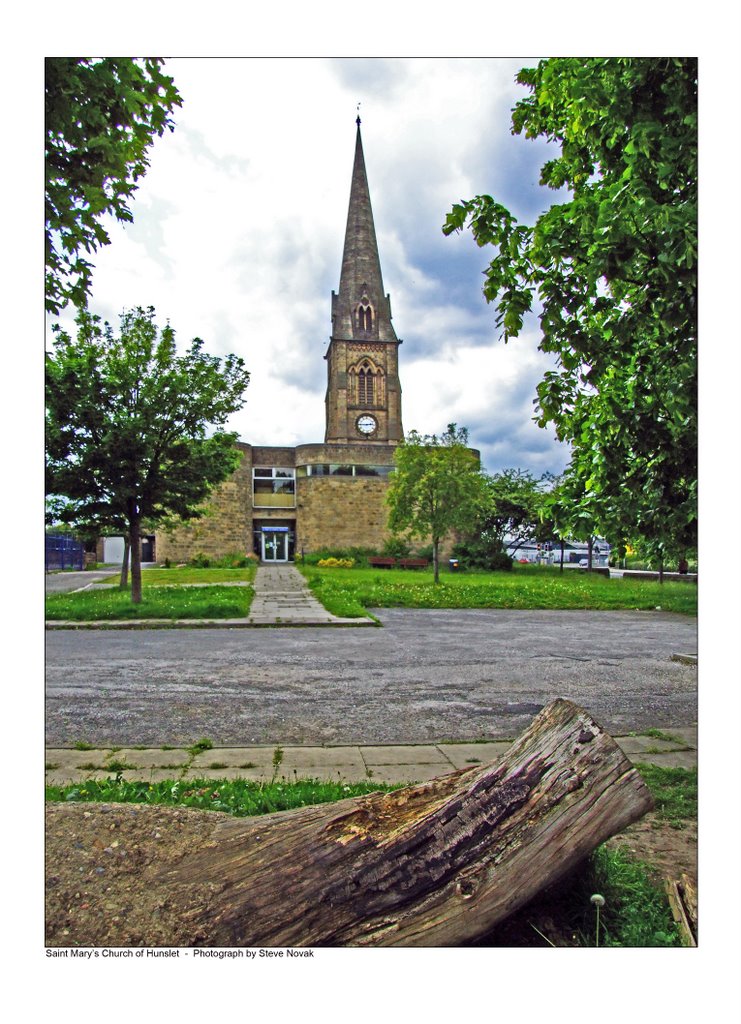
point(281, 501)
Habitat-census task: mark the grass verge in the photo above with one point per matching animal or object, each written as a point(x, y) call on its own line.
point(188, 575)
point(674, 790)
point(164, 602)
point(349, 592)
point(240, 797)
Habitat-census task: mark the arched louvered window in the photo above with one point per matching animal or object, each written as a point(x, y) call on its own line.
point(366, 384)
point(365, 318)
point(366, 380)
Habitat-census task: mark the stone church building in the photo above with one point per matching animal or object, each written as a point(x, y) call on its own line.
point(282, 501)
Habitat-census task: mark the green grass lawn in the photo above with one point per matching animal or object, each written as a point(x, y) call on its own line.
point(170, 577)
point(674, 790)
point(163, 602)
point(349, 592)
point(240, 797)
point(166, 594)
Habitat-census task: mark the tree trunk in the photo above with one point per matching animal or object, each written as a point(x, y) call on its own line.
point(436, 559)
point(136, 556)
point(125, 565)
point(560, 568)
point(590, 547)
point(436, 864)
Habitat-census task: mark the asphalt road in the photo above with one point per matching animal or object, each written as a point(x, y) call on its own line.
point(63, 582)
point(427, 675)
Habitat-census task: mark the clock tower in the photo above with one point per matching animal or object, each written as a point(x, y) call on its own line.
point(363, 401)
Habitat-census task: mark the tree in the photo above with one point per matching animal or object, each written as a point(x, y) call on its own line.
point(437, 487)
point(572, 510)
point(509, 516)
point(615, 271)
point(101, 118)
point(515, 501)
point(126, 424)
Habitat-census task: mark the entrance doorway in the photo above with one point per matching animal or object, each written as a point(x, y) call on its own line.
point(275, 543)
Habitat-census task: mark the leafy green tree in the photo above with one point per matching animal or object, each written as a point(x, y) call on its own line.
point(437, 487)
point(614, 270)
point(515, 502)
point(509, 516)
point(102, 115)
point(127, 420)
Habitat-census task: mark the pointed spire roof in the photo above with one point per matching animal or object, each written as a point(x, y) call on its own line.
point(360, 278)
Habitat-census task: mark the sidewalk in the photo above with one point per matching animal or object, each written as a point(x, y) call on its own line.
point(352, 763)
point(282, 598)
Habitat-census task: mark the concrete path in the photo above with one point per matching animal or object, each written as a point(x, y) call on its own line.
point(356, 763)
point(282, 598)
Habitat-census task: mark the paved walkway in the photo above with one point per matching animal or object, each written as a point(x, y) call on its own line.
point(379, 763)
point(282, 598)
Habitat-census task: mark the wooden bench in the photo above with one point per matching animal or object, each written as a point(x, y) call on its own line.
point(413, 563)
point(382, 563)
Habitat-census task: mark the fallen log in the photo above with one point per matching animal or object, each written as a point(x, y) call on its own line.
point(436, 864)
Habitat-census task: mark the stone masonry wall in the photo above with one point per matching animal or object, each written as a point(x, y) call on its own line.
point(364, 454)
point(341, 512)
point(226, 528)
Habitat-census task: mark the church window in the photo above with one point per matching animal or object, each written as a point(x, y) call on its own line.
point(365, 317)
point(365, 386)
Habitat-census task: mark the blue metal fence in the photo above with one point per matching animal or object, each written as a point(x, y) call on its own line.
point(63, 552)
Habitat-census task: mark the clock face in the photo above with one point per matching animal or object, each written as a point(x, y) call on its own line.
point(366, 424)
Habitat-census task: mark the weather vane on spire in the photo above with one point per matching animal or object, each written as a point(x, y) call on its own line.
point(357, 119)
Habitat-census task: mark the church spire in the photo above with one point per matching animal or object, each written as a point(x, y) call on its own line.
point(361, 305)
point(363, 399)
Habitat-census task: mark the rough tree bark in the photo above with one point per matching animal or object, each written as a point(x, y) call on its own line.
point(436, 864)
point(124, 578)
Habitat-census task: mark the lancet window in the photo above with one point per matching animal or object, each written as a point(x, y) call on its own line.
point(367, 384)
point(364, 317)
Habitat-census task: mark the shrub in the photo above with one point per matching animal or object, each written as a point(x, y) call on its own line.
point(359, 555)
point(336, 563)
point(480, 553)
point(232, 560)
point(396, 547)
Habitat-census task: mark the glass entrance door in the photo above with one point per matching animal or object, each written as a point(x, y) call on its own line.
point(274, 547)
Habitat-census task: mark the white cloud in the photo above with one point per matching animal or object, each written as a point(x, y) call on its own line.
point(239, 224)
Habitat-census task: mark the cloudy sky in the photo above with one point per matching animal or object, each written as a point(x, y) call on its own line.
point(239, 226)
